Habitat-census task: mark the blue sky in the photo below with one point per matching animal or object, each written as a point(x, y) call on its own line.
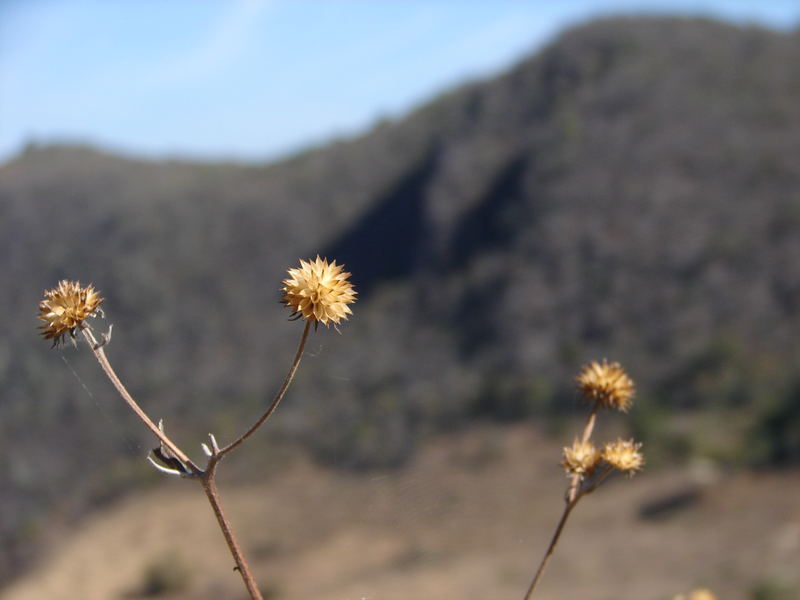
point(253, 79)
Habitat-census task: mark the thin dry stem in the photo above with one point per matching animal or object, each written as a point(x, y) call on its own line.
point(209, 483)
point(563, 521)
point(574, 494)
point(572, 491)
point(551, 548)
point(207, 478)
point(277, 399)
point(101, 357)
point(598, 481)
point(589, 427)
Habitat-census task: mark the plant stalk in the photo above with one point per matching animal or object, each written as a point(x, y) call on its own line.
point(209, 483)
point(551, 548)
point(572, 491)
point(207, 478)
point(278, 397)
point(100, 355)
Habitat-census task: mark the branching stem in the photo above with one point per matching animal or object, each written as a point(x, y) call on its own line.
point(574, 493)
point(207, 478)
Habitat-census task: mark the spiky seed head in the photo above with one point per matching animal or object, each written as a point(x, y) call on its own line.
point(581, 458)
point(624, 455)
point(606, 385)
point(319, 292)
point(65, 308)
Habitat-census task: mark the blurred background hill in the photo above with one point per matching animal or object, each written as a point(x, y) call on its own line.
point(630, 191)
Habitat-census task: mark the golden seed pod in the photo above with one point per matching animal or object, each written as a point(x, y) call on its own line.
point(65, 308)
point(624, 455)
point(581, 458)
point(607, 385)
point(319, 292)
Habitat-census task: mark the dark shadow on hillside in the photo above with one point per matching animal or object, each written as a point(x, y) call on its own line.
point(491, 223)
point(385, 243)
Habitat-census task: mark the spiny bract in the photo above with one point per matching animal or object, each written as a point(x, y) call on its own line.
point(65, 308)
point(319, 292)
point(607, 385)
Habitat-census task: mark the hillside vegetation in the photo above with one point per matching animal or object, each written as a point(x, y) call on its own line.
point(631, 191)
point(438, 530)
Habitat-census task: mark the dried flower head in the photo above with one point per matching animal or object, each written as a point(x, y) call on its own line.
point(65, 308)
point(581, 458)
point(624, 455)
point(607, 385)
point(319, 292)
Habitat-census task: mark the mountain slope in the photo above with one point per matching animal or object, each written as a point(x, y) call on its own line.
point(630, 191)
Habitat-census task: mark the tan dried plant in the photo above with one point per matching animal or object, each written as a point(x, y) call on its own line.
point(624, 456)
point(318, 292)
point(65, 308)
point(603, 385)
point(606, 385)
point(581, 458)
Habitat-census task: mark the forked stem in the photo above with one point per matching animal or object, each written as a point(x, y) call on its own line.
point(574, 493)
point(207, 478)
point(583, 491)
